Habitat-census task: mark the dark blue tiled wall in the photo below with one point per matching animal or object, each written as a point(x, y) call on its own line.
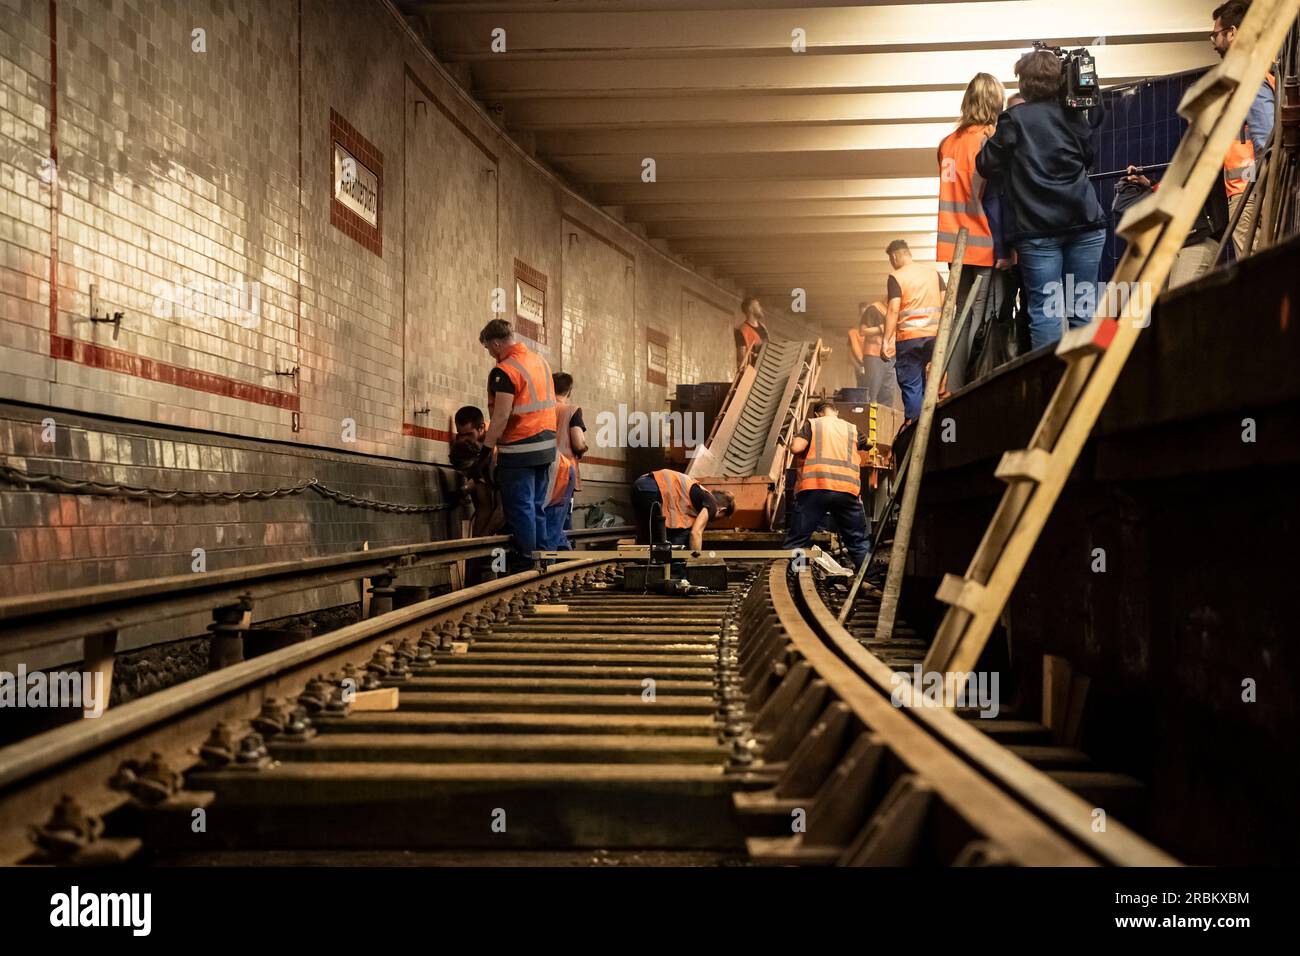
point(1142, 126)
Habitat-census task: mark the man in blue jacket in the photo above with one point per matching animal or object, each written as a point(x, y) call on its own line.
point(1239, 166)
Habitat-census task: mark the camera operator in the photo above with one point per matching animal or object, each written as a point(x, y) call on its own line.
point(1042, 151)
point(1196, 257)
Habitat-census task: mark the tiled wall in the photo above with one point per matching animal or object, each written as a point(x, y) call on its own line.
point(52, 541)
point(173, 168)
point(1142, 127)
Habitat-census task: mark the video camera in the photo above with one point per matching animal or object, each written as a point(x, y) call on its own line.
point(1080, 91)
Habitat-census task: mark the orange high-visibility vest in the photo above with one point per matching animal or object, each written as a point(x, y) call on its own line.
point(858, 343)
point(832, 462)
point(675, 493)
point(1239, 163)
point(750, 334)
point(564, 413)
point(867, 345)
point(918, 313)
point(960, 190)
point(564, 466)
point(534, 409)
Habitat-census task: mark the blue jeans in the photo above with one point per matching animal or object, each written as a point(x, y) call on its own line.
point(909, 365)
point(556, 540)
point(524, 491)
point(1056, 272)
point(847, 518)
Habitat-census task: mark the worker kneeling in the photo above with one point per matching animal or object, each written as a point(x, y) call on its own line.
point(684, 504)
point(830, 483)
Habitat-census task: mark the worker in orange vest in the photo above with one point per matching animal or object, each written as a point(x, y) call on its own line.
point(685, 505)
point(915, 296)
point(961, 205)
point(1239, 164)
point(830, 484)
point(872, 372)
point(570, 433)
point(751, 331)
point(522, 426)
point(557, 505)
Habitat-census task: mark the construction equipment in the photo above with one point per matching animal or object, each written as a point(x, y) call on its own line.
point(748, 452)
point(1154, 228)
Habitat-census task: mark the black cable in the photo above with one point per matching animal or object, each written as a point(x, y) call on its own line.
point(70, 486)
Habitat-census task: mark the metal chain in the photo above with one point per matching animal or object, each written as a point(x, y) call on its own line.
point(61, 485)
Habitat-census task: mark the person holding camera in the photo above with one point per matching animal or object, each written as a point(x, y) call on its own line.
point(1196, 257)
point(1042, 151)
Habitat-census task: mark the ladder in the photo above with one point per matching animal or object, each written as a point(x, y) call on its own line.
point(1215, 107)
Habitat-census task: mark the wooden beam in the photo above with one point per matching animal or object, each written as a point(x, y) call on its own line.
point(920, 440)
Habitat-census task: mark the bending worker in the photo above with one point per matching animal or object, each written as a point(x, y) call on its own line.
point(683, 502)
point(830, 483)
point(522, 430)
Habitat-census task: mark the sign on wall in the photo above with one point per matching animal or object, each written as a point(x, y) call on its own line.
point(656, 372)
point(530, 302)
point(356, 185)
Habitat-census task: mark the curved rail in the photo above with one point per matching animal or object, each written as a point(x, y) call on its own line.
point(882, 783)
point(1057, 806)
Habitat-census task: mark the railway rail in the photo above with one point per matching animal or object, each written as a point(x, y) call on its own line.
point(552, 711)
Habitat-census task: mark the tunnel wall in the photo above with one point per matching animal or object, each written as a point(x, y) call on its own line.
point(195, 189)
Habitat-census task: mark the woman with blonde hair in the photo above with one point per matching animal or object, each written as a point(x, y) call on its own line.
point(961, 204)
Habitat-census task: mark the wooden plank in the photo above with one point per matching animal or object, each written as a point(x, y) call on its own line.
point(920, 440)
point(384, 698)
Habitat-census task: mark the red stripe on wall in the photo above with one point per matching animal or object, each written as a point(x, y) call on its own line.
point(421, 431)
point(115, 360)
point(439, 434)
point(608, 462)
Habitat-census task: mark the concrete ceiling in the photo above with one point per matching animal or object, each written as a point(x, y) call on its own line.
point(775, 169)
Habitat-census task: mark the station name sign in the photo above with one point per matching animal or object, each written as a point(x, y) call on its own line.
point(355, 186)
point(530, 302)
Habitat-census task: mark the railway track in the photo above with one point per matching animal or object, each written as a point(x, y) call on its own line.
point(551, 712)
